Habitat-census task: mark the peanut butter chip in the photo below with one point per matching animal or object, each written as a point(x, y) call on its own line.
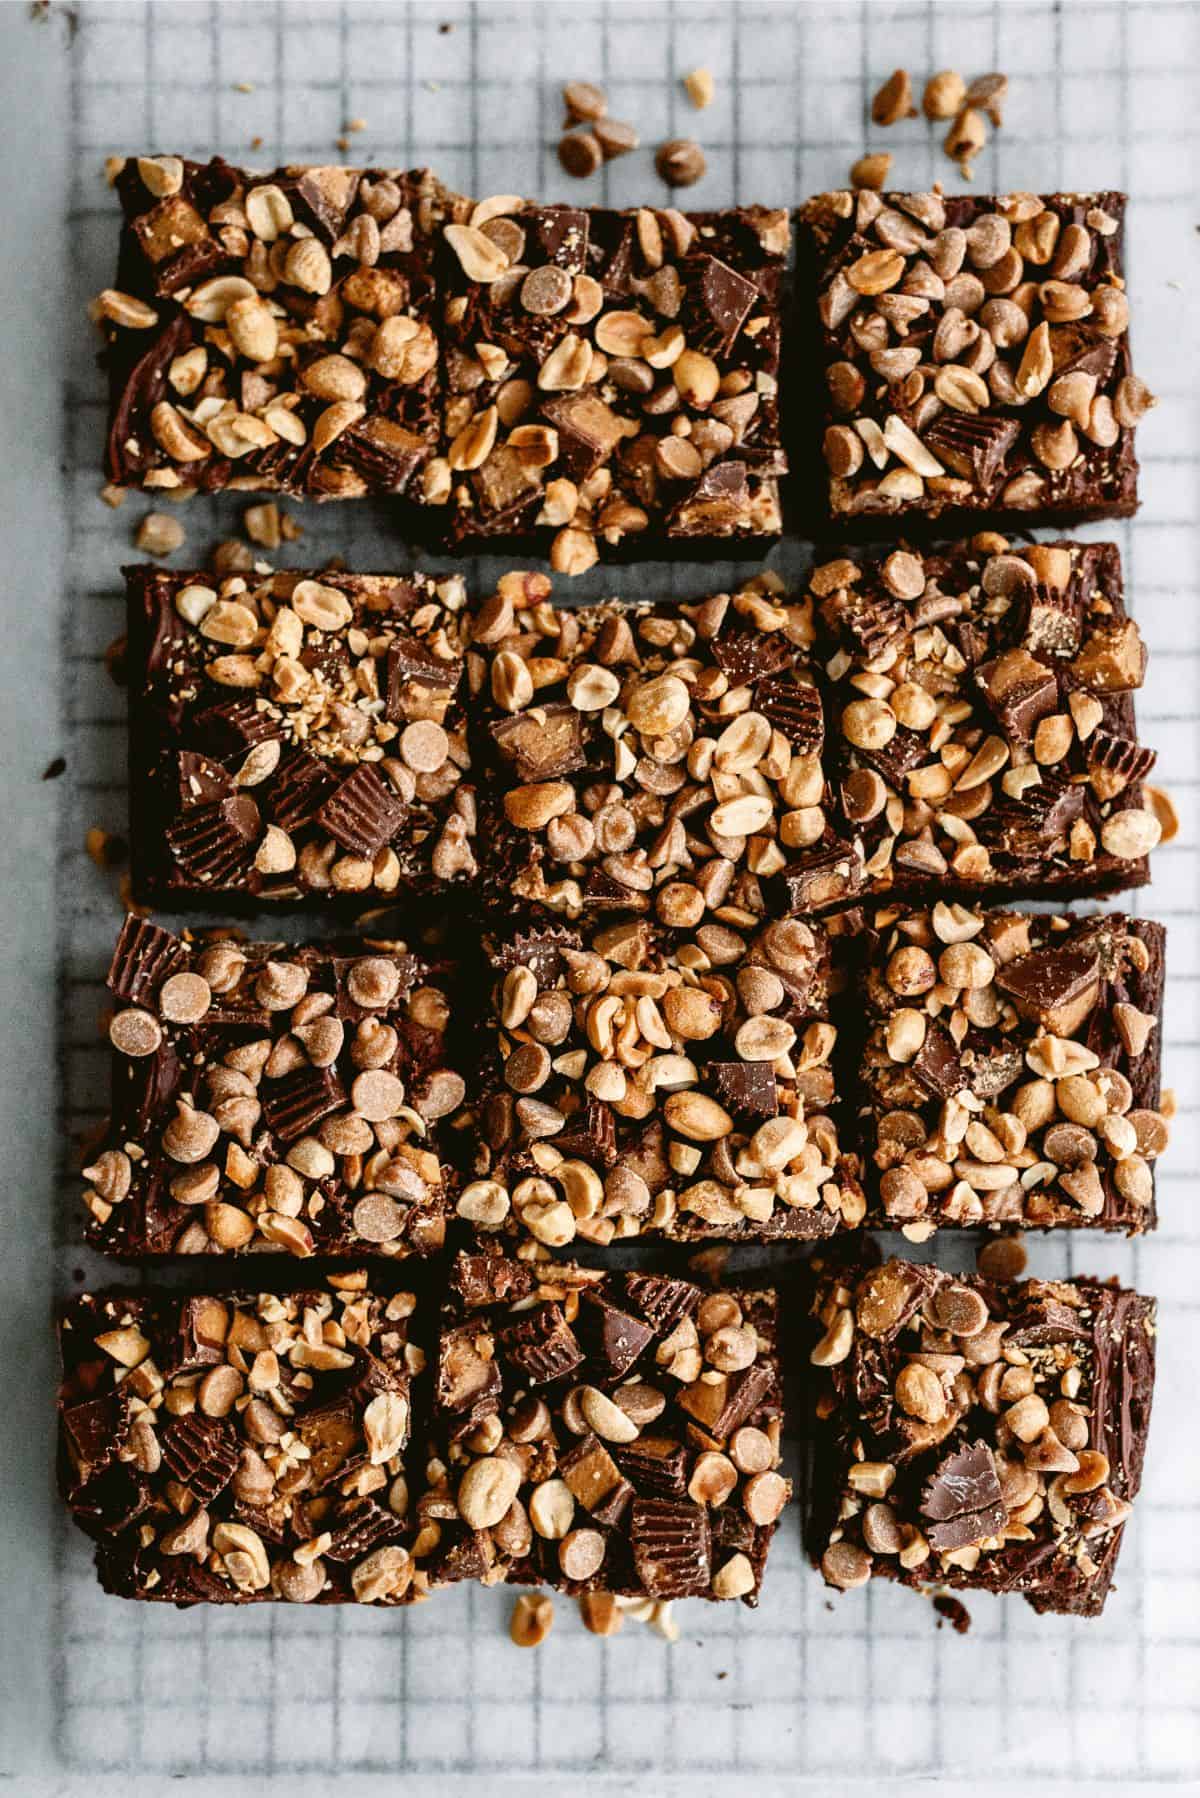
point(184, 998)
point(377, 1095)
point(135, 1033)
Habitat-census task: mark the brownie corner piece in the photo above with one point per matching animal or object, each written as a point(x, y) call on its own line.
point(613, 378)
point(599, 1431)
point(1011, 1070)
point(297, 739)
point(974, 1436)
point(275, 332)
point(242, 1448)
point(983, 734)
point(975, 355)
point(274, 1097)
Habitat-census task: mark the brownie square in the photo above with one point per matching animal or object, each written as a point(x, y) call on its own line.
point(297, 739)
point(604, 1432)
point(1012, 1070)
point(244, 1448)
point(637, 1086)
point(974, 1436)
point(657, 759)
point(981, 720)
point(613, 377)
point(975, 356)
point(274, 331)
point(274, 1097)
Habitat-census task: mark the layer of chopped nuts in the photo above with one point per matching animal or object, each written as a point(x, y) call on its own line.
point(640, 1086)
point(299, 735)
point(976, 354)
point(612, 373)
point(273, 1097)
point(653, 758)
point(982, 718)
point(275, 331)
point(602, 1434)
point(975, 1435)
point(245, 1448)
point(1011, 1070)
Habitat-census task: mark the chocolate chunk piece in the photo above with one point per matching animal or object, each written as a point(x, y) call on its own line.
point(962, 1500)
point(954, 1467)
point(656, 1464)
point(362, 814)
point(612, 1336)
point(672, 1546)
point(1056, 988)
point(202, 1453)
point(543, 1345)
point(661, 1300)
point(298, 1102)
point(144, 957)
point(745, 1087)
point(214, 844)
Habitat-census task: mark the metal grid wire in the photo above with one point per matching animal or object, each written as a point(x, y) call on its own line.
point(1101, 96)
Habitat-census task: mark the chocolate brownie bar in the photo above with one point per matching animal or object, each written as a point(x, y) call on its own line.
point(243, 1448)
point(653, 758)
point(636, 1086)
point(1011, 1071)
point(297, 738)
point(981, 720)
point(275, 331)
point(975, 356)
point(986, 1438)
point(603, 1432)
point(613, 377)
point(269, 1096)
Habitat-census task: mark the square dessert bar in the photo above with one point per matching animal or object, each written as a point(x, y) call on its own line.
point(1011, 1071)
point(296, 738)
point(987, 1438)
point(981, 720)
point(272, 1096)
point(653, 758)
point(603, 1432)
point(975, 356)
point(243, 1448)
point(637, 1086)
point(274, 331)
point(613, 377)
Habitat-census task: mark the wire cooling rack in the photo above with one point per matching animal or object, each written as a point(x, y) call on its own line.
point(1102, 96)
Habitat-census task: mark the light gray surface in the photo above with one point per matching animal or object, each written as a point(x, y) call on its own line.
point(98, 1695)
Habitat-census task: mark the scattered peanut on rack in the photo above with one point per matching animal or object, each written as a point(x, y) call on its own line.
point(968, 107)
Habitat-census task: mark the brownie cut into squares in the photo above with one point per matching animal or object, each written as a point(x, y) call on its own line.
point(652, 758)
point(243, 1448)
point(297, 739)
point(981, 720)
point(614, 1432)
point(1011, 1073)
point(275, 331)
point(613, 377)
point(275, 1097)
point(974, 356)
point(976, 1436)
point(635, 1086)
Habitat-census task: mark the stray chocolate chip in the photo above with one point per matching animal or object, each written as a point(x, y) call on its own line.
point(55, 768)
point(615, 137)
point(680, 162)
point(579, 154)
point(584, 101)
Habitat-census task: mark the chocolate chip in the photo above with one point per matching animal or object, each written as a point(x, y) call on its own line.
point(579, 154)
point(680, 162)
